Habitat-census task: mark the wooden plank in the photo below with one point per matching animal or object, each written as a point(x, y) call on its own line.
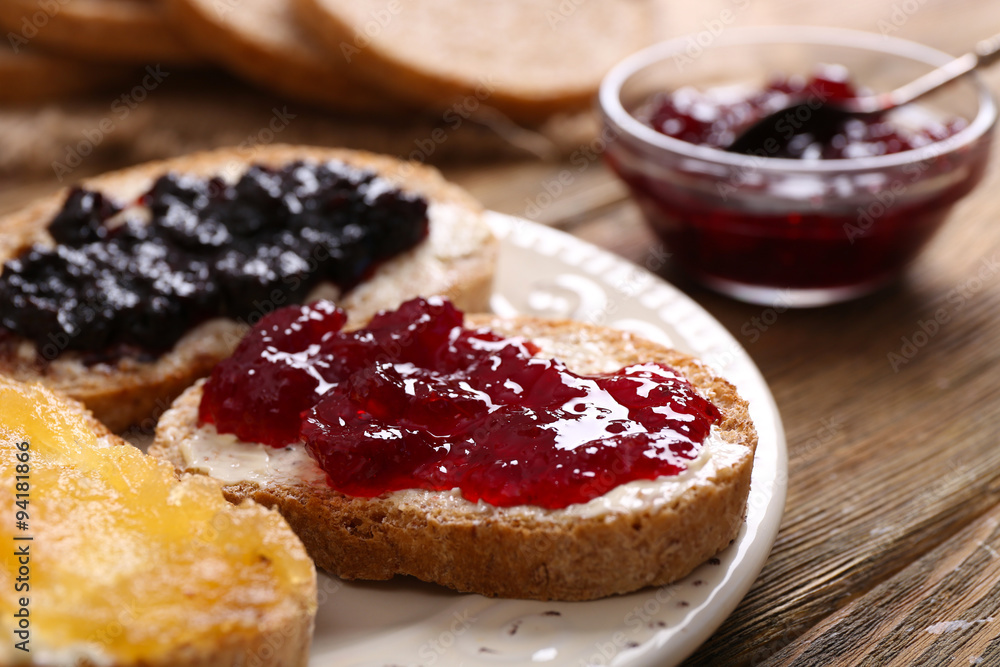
point(943, 609)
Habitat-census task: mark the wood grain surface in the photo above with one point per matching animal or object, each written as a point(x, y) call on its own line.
point(889, 551)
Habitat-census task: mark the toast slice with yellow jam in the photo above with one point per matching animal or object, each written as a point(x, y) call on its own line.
point(109, 559)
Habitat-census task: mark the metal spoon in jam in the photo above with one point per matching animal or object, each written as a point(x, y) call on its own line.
point(821, 117)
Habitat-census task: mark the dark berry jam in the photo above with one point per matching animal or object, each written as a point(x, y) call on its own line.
point(717, 117)
point(417, 401)
point(825, 231)
point(193, 249)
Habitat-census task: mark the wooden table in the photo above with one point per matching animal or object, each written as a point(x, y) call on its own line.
point(889, 551)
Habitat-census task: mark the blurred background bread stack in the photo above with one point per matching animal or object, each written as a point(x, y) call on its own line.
point(428, 80)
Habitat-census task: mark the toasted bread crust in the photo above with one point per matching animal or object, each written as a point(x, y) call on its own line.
point(526, 58)
point(135, 31)
point(456, 261)
point(261, 41)
point(509, 552)
point(282, 634)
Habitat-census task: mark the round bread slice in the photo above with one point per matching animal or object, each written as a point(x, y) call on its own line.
point(262, 41)
point(644, 533)
point(457, 260)
point(125, 565)
point(526, 58)
point(28, 76)
point(132, 31)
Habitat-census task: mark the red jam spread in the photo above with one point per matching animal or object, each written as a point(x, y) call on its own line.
point(709, 118)
point(748, 226)
point(417, 401)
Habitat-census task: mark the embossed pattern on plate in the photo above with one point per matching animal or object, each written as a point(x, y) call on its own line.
point(405, 622)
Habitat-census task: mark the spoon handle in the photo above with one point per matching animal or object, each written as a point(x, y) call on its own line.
point(986, 52)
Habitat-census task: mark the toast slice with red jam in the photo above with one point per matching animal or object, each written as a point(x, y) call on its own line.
point(522, 457)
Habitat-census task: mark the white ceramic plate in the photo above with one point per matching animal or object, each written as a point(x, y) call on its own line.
point(406, 622)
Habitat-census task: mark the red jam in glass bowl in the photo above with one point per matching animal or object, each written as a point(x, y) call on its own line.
point(417, 401)
point(718, 117)
point(813, 222)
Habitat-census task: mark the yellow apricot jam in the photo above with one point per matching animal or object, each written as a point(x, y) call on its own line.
point(125, 563)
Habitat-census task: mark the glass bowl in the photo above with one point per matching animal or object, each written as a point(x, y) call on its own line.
point(807, 233)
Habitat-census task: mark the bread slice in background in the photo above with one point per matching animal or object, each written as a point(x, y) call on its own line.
point(457, 260)
point(261, 41)
point(29, 75)
point(583, 552)
point(526, 58)
point(127, 566)
point(127, 31)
